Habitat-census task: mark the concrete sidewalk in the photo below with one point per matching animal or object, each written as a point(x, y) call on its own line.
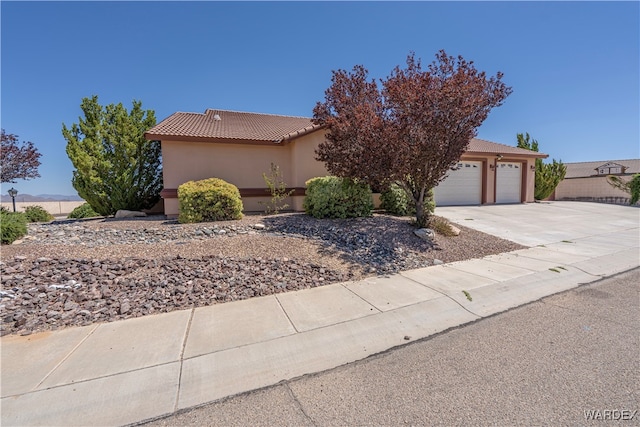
point(548, 363)
point(128, 371)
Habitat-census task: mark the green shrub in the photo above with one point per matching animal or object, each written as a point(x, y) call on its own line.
point(395, 201)
point(37, 214)
point(634, 189)
point(210, 199)
point(13, 225)
point(440, 226)
point(83, 211)
point(334, 197)
point(278, 190)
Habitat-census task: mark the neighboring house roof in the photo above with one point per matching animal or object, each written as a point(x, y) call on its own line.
point(235, 126)
point(586, 169)
point(482, 146)
point(223, 125)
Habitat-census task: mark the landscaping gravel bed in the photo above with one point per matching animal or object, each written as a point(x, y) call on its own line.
point(68, 273)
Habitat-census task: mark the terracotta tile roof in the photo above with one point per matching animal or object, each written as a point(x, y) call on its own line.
point(585, 169)
point(481, 146)
point(231, 125)
point(225, 125)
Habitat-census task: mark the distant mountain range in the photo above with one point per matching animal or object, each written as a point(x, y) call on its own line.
point(41, 198)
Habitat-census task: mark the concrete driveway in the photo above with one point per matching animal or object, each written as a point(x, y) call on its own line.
point(534, 224)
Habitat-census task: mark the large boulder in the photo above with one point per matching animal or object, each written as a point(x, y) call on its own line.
point(425, 233)
point(454, 230)
point(129, 214)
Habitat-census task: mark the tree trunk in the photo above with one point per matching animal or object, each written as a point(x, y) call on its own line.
point(421, 215)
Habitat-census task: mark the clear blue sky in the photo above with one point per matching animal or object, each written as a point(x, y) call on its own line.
point(574, 66)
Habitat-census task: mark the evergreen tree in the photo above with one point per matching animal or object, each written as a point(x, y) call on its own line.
point(632, 187)
point(548, 175)
point(116, 168)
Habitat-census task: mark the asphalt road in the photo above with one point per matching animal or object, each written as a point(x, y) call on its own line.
point(553, 362)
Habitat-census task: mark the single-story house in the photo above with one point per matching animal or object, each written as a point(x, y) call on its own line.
point(239, 147)
point(587, 181)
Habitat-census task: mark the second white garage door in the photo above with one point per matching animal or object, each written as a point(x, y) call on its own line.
point(462, 186)
point(508, 182)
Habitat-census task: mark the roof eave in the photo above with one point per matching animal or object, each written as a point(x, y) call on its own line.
point(185, 138)
point(297, 134)
point(509, 155)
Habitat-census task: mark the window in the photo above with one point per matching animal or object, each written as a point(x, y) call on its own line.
point(610, 169)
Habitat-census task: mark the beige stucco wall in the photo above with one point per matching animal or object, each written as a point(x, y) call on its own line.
point(530, 186)
point(304, 165)
point(54, 208)
point(590, 187)
point(242, 165)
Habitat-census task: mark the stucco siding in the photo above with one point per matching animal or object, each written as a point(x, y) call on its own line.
point(241, 165)
point(53, 207)
point(303, 159)
point(530, 187)
point(588, 187)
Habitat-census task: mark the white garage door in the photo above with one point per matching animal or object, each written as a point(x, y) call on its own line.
point(508, 182)
point(462, 186)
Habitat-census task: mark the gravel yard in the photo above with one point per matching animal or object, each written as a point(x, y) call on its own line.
point(68, 273)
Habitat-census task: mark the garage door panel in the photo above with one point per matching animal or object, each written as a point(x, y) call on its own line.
point(462, 186)
point(508, 182)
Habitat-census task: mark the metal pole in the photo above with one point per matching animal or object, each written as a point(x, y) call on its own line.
point(13, 193)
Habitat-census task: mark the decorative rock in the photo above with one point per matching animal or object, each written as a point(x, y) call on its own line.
point(6, 294)
point(125, 307)
point(70, 305)
point(122, 213)
point(425, 233)
point(437, 262)
point(44, 294)
point(454, 230)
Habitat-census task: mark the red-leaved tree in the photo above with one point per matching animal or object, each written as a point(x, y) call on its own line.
point(17, 160)
point(412, 129)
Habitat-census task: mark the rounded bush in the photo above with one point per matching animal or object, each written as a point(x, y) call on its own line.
point(210, 199)
point(13, 225)
point(334, 197)
point(395, 201)
point(37, 214)
point(83, 211)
